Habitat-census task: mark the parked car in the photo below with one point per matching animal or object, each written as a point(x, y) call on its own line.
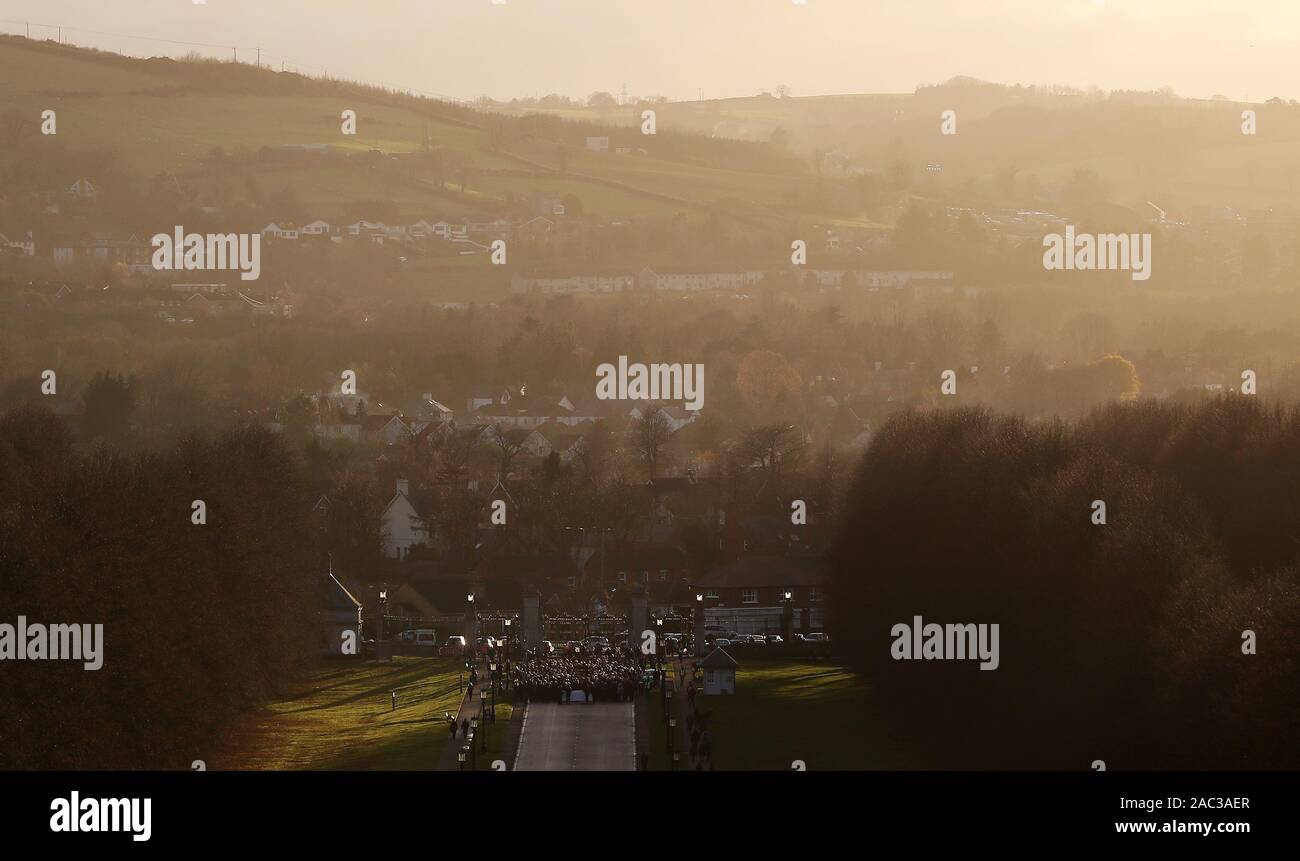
point(816, 643)
point(454, 647)
point(774, 640)
point(719, 642)
point(418, 637)
point(756, 640)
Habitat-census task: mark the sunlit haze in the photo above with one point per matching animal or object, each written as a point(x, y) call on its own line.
point(686, 48)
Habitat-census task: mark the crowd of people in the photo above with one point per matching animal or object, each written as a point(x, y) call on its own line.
point(613, 676)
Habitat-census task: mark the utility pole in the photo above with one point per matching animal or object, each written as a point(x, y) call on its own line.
point(259, 56)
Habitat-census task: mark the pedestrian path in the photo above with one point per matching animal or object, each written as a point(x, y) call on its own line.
point(469, 709)
point(597, 736)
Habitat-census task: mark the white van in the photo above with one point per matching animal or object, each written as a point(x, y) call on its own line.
point(418, 637)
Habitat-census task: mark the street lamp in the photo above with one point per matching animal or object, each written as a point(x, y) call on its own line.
point(462, 755)
point(483, 695)
point(509, 639)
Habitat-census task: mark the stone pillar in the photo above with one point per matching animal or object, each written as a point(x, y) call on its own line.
point(637, 618)
point(699, 630)
point(531, 621)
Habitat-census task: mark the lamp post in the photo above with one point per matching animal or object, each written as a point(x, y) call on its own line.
point(509, 644)
point(482, 704)
point(462, 755)
point(469, 622)
point(787, 616)
point(672, 731)
point(383, 603)
point(697, 640)
point(473, 731)
point(659, 649)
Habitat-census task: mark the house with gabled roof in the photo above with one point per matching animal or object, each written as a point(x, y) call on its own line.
point(404, 523)
point(385, 428)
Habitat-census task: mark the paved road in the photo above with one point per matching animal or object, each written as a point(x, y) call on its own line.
point(578, 737)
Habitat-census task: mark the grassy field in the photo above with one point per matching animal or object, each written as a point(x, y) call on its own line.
point(783, 711)
point(496, 737)
point(154, 119)
point(342, 719)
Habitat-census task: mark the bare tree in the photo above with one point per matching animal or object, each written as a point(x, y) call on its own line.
point(650, 434)
point(775, 449)
point(506, 444)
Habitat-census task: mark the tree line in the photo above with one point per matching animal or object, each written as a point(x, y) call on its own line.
point(1123, 642)
point(200, 621)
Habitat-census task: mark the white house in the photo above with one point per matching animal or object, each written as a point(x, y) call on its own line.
point(279, 231)
point(24, 245)
point(403, 523)
point(386, 429)
point(315, 228)
point(598, 144)
point(84, 189)
point(719, 674)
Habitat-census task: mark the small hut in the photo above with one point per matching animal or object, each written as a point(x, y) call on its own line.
point(719, 673)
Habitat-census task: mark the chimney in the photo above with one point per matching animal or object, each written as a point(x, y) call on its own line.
point(403, 487)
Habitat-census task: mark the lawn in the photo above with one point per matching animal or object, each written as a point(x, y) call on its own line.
point(496, 738)
point(784, 711)
point(342, 719)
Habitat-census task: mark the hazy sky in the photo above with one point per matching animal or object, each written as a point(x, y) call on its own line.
point(682, 48)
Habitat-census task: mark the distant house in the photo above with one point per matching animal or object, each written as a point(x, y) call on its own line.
point(385, 429)
point(676, 415)
point(101, 248)
point(21, 244)
point(83, 189)
point(428, 409)
point(598, 144)
point(405, 521)
point(315, 228)
point(748, 593)
point(563, 284)
point(719, 674)
point(279, 231)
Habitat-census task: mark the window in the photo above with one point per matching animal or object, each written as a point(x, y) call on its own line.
point(663, 574)
point(622, 576)
point(573, 581)
point(749, 596)
point(645, 576)
point(814, 594)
